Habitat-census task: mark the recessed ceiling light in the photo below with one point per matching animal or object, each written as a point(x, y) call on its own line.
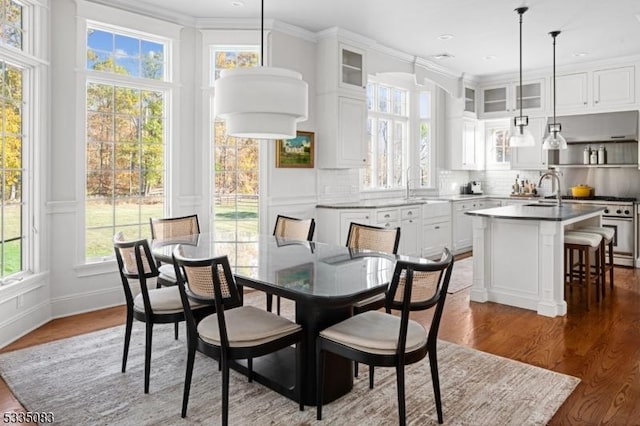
point(489, 58)
point(441, 56)
point(445, 36)
point(237, 3)
point(580, 54)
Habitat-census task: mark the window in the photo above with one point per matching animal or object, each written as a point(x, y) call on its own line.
point(425, 143)
point(125, 136)
point(19, 85)
point(11, 17)
point(111, 52)
point(399, 136)
point(12, 170)
point(497, 140)
point(235, 196)
point(388, 136)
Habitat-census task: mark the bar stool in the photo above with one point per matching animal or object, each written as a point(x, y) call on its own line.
point(585, 244)
point(607, 235)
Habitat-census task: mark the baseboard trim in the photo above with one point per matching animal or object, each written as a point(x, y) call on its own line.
point(80, 303)
point(24, 323)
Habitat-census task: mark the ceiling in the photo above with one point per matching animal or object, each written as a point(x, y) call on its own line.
point(481, 29)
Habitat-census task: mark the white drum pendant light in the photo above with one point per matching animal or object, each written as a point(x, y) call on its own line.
point(554, 139)
point(520, 135)
point(261, 102)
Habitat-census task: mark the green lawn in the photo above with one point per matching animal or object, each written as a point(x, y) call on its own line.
point(10, 251)
point(133, 220)
point(230, 224)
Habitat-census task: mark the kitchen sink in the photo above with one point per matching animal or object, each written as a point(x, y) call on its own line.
point(541, 205)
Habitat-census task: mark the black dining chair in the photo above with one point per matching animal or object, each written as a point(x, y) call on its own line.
point(377, 238)
point(382, 339)
point(152, 305)
point(290, 228)
point(234, 331)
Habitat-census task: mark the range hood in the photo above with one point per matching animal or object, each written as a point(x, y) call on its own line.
point(621, 126)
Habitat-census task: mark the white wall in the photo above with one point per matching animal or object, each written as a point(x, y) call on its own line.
point(292, 191)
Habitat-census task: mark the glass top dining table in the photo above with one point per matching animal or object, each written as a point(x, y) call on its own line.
point(303, 271)
point(323, 280)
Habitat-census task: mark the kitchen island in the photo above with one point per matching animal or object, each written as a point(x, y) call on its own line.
point(518, 255)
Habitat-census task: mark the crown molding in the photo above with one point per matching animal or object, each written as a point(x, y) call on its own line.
point(149, 11)
point(346, 35)
point(254, 24)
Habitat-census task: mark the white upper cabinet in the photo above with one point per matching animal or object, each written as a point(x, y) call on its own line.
point(614, 86)
point(352, 68)
point(464, 144)
point(502, 100)
point(572, 91)
point(341, 66)
point(470, 104)
point(594, 90)
point(341, 103)
point(342, 132)
point(495, 100)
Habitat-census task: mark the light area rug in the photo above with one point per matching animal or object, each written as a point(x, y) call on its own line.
point(462, 275)
point(79, 380)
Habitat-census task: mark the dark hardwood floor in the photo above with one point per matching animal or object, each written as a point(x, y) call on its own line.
point(601, 347)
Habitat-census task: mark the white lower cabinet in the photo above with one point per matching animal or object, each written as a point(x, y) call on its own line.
point(436, 228)
point(410, 231)
point(332, 225)
point(436, 236)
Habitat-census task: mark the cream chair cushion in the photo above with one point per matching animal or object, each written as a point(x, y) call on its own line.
point(606, 233)
point(582, 238)
point(164, 300)
point(167, 272)
point(375, 332)
point(246, 326)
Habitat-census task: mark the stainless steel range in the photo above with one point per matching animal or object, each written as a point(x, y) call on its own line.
point(619, 215)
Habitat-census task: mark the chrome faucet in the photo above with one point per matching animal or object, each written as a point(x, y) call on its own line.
point(553, 174)
point(408, 183)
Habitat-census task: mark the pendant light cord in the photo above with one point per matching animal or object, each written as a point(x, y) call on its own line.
point(262, 33)
point(521, 11)
point(554, 34)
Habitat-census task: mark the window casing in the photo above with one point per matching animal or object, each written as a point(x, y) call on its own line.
point(399, 129)
point(19, 78)
point(126, 135)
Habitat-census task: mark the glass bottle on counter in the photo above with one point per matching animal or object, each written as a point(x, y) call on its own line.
point(586, 155)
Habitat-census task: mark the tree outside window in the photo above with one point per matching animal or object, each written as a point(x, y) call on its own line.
point(236, 201)
point(399, 141)
point(125, 138)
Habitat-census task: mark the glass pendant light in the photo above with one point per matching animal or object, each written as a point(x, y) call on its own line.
point(554, 139)
point(520, 136)
point(261, 102)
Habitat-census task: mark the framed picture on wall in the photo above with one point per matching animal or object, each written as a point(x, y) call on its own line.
point(296, 152)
